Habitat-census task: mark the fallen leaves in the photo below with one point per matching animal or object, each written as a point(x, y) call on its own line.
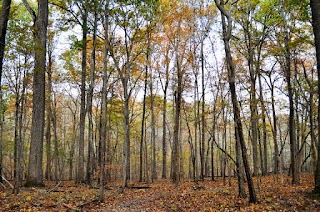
point(162, 195)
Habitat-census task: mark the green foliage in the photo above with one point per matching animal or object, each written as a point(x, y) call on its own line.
point(76, 44)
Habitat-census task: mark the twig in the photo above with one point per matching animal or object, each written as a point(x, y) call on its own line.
point(54, 187)
point(11, 186)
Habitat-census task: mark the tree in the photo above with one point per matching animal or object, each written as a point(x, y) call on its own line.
point(35, 173)
point(274, 125)
point(90, 161)
point(227, 32)
point(292, 122)
point(84, 16)
point(164, 81)
point(4, 16)
point(315, 9)
point(103, 115)
point(130, 18)
point(246, 22)
point(143, 120)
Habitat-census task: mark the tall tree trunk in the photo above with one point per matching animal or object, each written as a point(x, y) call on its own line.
point(196, 126)
point(56, 141)
point(264, 129)
point(164, 125)
point(276, 155)
point(80, 172)
point(20, 135)
point(4, 16)
point(146, 156)
point(49, 109)
point(203, 124)
point(22, 118)
point(292, 123)
point(247, 28)
point(311, 116)
point(141, 179)
point(48, 139)
point(253, 117)
point(315, 9)
point(35, 173)
point(164, 137)
point(126, 148)
point(144, 114)
point(73, 143)
point(17, 141)
point(240, 170)
point(153, 133)
point(90, 161)
point(224, 137)
point(213, 130)
point(227, 29)
point(103, 114)
point(176, 142)
point(212, 150)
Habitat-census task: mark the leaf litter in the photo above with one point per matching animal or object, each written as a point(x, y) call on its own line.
point(162, 195)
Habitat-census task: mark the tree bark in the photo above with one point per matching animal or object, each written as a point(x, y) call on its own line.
point(90, 161)
point(164, 125)
point(17, 130)
point(4, 16)
point(141, 179)
point(56, 141)
point(240, 170)
point(80, 172)
point(315, 9)
point(178, 97)
point(203, 124)
point(126, 122)
point(49, 109)
point(35, 172)
point(264, 130)
point(153, 132)
point(292, 123)
point(253, 110)
point(104, 109)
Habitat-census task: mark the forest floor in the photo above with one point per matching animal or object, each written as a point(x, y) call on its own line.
point(274, 194)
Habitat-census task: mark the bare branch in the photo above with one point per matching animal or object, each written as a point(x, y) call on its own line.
point(30, 10)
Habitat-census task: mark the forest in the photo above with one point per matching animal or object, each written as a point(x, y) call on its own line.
point(159, 105)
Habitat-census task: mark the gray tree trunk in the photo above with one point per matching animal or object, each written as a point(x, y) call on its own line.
point(56, 141)
point(4, 16)
point(49, 109)
point(315, 9)
point(141, 178)
point(164, 125)
point(175, 149)
point(292, 123)
point(153, 133)
point(264, 130)
point(103, 114)
point(203, 124)
point(35, 172)
point(90, 161)
point(80, 168)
